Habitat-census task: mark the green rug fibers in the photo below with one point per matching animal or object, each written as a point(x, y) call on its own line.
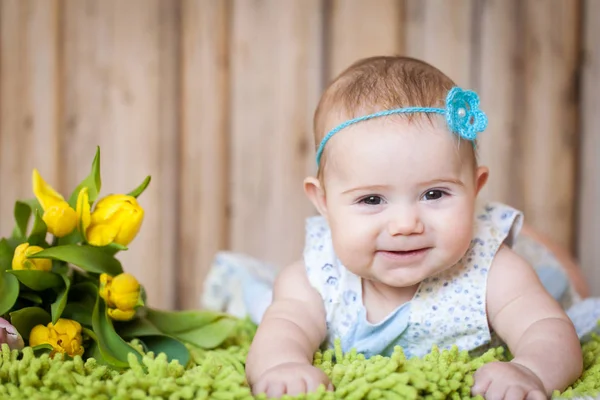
point(219, 374)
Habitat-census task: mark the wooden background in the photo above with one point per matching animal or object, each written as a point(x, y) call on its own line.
point(214, 99)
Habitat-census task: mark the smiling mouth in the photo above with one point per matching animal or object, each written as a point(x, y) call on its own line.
point(406, 253)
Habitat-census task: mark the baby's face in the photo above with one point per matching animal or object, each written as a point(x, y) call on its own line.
point(400, 199)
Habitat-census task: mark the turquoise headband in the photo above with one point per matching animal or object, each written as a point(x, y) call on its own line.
point(462, 113)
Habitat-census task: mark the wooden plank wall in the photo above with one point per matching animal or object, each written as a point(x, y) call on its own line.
point(588, 247)
point(214, 99)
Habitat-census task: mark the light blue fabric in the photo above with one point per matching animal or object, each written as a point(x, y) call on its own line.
point(554, 280)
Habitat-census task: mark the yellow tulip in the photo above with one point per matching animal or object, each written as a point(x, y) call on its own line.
point(64, 337)
point(20, 260)
point(117, 218)
point(60, 218)
point(122, 295)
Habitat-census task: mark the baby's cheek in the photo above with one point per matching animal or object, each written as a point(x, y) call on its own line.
point(457, 232)
point(351, 246)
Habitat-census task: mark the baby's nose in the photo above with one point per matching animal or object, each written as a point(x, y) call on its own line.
point(405, 222)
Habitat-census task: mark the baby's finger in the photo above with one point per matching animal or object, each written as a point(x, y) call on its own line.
point(296, 386)
point(314, 380)
point(536, 395)
point(496, 391)
point(515, 393)
point(259, 387)
point(481, 385)
point(275, 390)
point(330, 387)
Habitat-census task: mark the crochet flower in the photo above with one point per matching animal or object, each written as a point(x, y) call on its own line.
point(463, 114)
point(64, 337)
point(122, 295)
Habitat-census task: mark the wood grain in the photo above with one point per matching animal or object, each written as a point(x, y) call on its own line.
point(589, 161)
point(276, 70)
point(351, 37)
point(549, 124)
point(29, 100)
point(120, 87)
point(204, 164)
point(440, 32)
point(215, 100)
point(499, 80)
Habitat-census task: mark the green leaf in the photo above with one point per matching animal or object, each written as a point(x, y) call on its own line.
point(93, 182)
point(37, 237)
point(173, 348)
point(9, 292)
point(140, 189)
point(101, 355)
point(22, 213)
point(72, 238)
point(110, 344)
point(203, 328)
point(113, 248)
point(85, 289)
point(209, 336)
point(31, 296)
point(181, 321)
point(154, 339)
point(42, 349)
point(37, 280)
point(6, 255)
point(27, 318)
point(137, 327)
point(78, 312)
point(61, 300)
point(88, 258)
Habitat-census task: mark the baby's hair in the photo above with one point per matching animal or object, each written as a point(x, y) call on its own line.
point(379, 83)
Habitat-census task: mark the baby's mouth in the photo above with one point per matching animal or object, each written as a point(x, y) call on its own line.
point(405, 253)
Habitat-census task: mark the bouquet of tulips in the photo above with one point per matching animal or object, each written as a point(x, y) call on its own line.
point(63, 289)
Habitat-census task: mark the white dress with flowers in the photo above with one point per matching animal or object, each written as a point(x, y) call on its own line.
point(447, 309)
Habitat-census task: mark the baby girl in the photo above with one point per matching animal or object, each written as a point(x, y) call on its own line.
point(401, 254)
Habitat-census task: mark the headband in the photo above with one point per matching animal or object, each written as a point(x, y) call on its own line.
point(462, 113)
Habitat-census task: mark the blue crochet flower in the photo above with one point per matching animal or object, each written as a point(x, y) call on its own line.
point(463, 114)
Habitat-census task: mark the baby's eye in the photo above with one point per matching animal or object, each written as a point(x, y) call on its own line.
point(372, 200)
point(434, 194)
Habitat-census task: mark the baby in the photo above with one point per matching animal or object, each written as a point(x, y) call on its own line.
point(401, 254)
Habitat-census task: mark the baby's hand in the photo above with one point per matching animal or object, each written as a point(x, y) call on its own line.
point(507, 380)
point(292, 379)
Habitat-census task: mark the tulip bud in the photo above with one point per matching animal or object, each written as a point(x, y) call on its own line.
point(117, 218)
point(64, 337)
point(20, 260)
point(122, 295)
point(10, 336)
point(60, 218)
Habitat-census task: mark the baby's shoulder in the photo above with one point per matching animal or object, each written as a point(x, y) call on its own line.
point(292, 281)
point(498, 222)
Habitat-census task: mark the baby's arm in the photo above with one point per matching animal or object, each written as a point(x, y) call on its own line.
point(293, 327)
point(539, 334)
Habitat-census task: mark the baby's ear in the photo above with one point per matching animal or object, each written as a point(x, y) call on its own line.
point(316, 194)
point(481, 177)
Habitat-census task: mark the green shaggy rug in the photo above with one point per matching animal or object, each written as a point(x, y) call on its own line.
point(219, 374)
